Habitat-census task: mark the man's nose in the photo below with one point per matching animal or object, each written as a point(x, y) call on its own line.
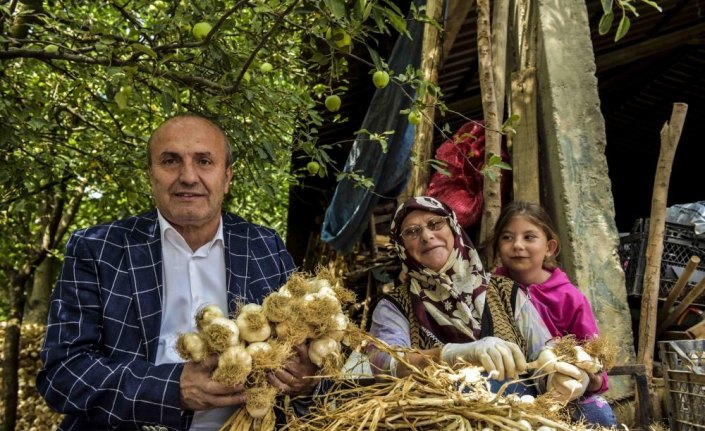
point(188, 173)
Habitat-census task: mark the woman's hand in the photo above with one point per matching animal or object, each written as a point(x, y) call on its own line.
point(501, 359)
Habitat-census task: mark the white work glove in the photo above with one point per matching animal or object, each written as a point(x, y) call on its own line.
point(586, 362)
point(501, 359)
point(567, 383)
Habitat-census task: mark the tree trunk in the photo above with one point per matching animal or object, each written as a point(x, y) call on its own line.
point(59, 217)
point(37, 306)
point(491, 188)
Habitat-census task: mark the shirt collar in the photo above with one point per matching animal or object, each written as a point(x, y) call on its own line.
point(165, 226)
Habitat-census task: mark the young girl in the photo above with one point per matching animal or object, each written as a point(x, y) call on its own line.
point(526, 243)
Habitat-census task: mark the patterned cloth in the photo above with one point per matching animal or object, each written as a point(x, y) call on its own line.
point(443, 300)
point(105, 316)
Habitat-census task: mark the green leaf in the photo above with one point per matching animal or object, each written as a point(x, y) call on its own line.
point(653, 4)
point(606, 23)
point(398, 22)
point(374, 55)
point(337, 8)
point(607, 6)
point(144, 49)
point(623, 28)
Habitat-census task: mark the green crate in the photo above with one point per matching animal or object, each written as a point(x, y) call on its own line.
point(683, 363)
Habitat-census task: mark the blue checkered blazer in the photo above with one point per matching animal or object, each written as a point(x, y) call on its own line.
point(105, 316)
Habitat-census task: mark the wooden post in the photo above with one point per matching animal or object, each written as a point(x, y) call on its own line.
point(491, 189)
point(423, 139)
point(670, 135)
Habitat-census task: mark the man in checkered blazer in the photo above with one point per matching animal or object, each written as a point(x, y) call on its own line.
point(128, 288)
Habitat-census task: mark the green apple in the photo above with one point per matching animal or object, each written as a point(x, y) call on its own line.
point(414, 118)
point(51, 49)
point(380, 79)
point(332, 103)
point(340, 37)
point(201, 30)
point(313, 167)
point(266, 67)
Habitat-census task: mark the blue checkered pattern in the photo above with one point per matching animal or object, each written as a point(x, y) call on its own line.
point(105, 316)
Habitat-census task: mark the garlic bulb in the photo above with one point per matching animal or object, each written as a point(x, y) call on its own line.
point(234, 364)
point(253, 324)
point(190, 347)
point(220, 334)
point(206, 314)
point(320, 348)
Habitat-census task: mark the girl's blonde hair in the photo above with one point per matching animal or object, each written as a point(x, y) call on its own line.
point(536, 215)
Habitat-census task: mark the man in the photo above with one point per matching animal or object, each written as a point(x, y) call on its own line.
point(128, 289)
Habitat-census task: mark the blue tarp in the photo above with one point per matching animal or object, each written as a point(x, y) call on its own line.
point(349, 212)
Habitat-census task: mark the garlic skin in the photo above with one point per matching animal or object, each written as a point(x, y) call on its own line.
point(234, 364)
point(320, 348)
point(524, 425)
point(259, 347)
point(191, 346)
point(339, 323)
point(253, 324)
point(221, 333)
point(206, 314)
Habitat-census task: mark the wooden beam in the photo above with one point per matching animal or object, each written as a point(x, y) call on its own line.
point(458, 10)
point(623, 55)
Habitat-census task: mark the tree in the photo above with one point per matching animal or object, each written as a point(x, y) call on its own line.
point(82, 84)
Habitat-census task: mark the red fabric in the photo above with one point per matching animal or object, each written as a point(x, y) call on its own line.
point(464, 155)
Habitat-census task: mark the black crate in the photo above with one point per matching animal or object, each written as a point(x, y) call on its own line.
point(683, 363)
point(679, 243)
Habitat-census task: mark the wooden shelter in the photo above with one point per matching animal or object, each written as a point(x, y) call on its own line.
point(595, 112)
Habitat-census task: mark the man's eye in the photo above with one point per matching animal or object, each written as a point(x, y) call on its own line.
point(205, 162)
point(168, 161)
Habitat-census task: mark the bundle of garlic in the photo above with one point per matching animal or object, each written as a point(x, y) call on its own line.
point(259, 340)
point(434, 398)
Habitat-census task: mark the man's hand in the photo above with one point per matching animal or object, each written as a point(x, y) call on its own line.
point(567, 383)
point(295, 378)
point(200, 392)
point(498, 357)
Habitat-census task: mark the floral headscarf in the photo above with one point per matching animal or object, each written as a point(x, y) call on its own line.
point(446, 302)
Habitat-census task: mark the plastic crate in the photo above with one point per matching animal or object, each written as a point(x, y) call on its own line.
point(679, 243)
point(683, 363)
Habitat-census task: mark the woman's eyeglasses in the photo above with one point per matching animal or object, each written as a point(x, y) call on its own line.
point(433, 224)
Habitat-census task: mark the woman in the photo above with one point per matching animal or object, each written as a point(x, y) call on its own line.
point(446, 301)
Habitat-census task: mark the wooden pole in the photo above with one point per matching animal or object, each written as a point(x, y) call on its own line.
point(685, 303)
point(677, 288)
point(423, 139)
point(491, 188)
point(670, 135)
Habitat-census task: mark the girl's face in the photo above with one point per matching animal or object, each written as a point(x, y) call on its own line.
point(522, 248)
point(427, 238)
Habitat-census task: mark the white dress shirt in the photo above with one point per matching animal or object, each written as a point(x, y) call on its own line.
point(192, 279)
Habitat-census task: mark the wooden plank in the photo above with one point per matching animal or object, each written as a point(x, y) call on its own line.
point(458, 10)
point(677, 288)
point(500, 23)
point(697, 331)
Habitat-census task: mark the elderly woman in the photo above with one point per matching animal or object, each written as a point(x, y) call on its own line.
point(446, 307)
